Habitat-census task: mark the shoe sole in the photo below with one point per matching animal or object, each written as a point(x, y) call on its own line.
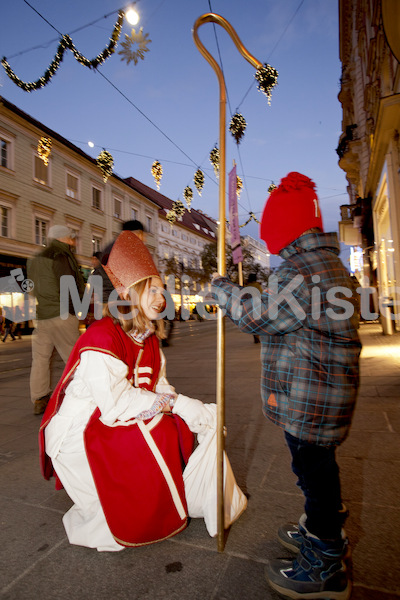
point(344, 595)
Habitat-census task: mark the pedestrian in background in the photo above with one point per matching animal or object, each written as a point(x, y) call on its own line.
point(18, 321)
point(52, 332)
point(8, 324)
point(310, 375)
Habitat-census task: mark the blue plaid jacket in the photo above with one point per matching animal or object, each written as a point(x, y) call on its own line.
point(310, 345)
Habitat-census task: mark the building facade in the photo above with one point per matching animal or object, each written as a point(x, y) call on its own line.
point(259, 252)
point(369, 147)
point(182, 242)
point(68, 190)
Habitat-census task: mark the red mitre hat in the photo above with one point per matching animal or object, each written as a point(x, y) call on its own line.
point(290, 210)
point(129, 262)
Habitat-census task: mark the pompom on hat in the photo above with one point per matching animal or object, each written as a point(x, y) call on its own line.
point(290, 210)
point(129, 262)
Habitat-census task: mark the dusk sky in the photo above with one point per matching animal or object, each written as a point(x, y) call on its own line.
point(167, 106)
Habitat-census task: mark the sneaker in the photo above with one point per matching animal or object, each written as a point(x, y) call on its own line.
point(318, 571)
point(40, 405)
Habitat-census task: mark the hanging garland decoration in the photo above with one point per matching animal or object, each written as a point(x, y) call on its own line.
point(157, 172)
point(239, 186)
point(267, 78)
point(44, 149)
point(272, 187)
point(199, 180)
point(188, 195)
point(237, 126)
point(179, 208)
point(252, 217)
point(105, 162)
point(214, 160)
point(66, 43)
point(128, 52)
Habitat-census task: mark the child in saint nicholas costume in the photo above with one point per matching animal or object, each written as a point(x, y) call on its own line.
point(116, 435)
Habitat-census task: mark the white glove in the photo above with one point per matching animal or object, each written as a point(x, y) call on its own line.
point(198, 416)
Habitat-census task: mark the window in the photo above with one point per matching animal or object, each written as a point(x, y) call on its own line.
point(96, 244)
point(149, 223)
point(134, 213)
point(40, 171)
point(72, 189)
point(174, 233)
point(40, 232)
point(117, 208)
point(4, 221)
point(96, 198)
point(4, 153)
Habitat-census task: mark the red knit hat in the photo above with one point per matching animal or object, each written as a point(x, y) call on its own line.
point(290, 210)
point(129, 262)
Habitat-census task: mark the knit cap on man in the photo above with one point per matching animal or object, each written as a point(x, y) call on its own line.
point(56, 232)
point(291, 209)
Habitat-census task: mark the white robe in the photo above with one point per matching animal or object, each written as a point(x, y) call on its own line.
point(100, 381)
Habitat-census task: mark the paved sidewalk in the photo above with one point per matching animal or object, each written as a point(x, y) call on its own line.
point(36, 560)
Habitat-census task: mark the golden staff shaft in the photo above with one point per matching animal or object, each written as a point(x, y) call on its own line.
point(213, 18)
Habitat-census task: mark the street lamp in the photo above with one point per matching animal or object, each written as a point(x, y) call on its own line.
point(214, 18)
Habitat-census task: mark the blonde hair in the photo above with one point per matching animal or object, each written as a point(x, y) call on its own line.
point(138, 320)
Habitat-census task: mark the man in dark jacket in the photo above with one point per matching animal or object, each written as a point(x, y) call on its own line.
point(52, 331)
point(310, 372)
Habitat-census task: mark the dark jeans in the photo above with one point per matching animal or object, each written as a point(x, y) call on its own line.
point(318, 477)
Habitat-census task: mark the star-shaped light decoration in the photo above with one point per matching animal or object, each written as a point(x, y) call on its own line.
point(134, 46)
